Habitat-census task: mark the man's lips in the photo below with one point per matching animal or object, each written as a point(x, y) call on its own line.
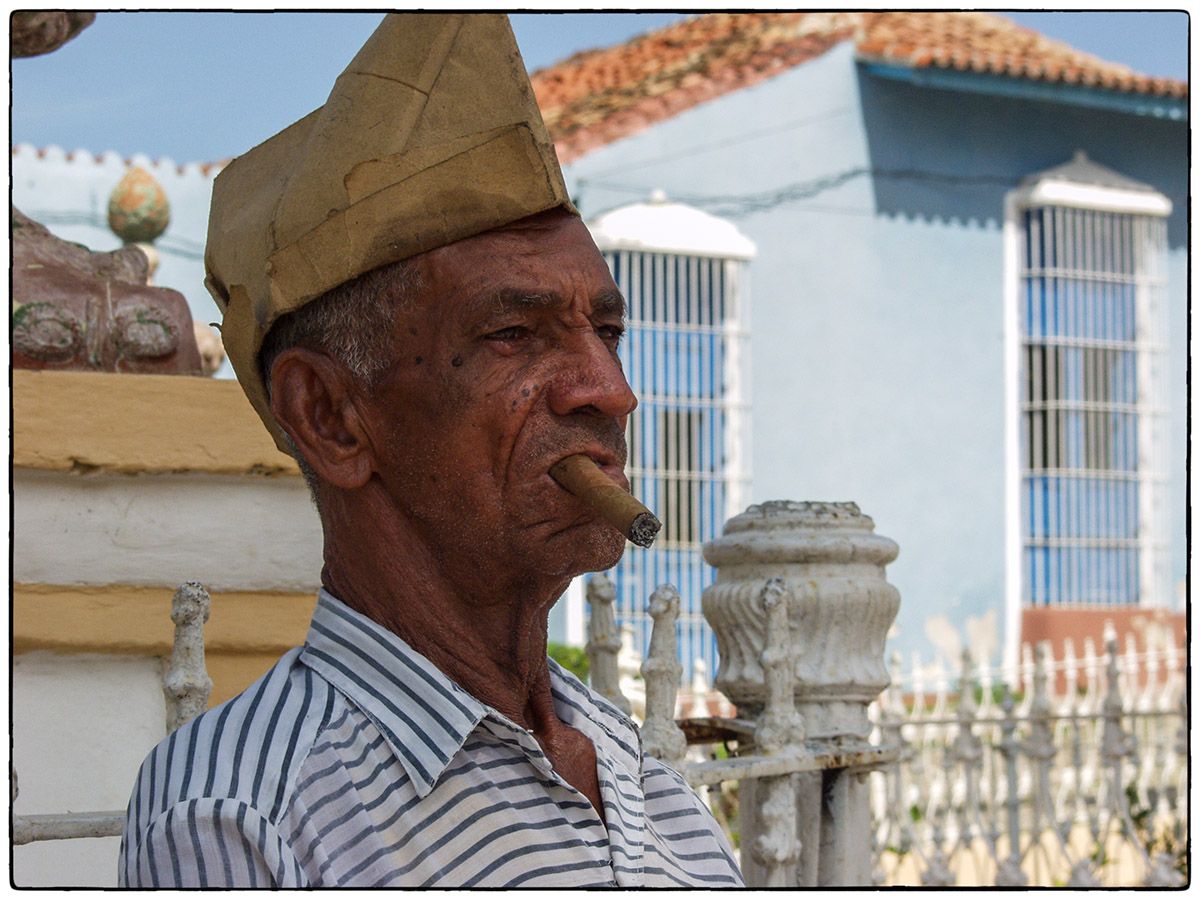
point(609, 463)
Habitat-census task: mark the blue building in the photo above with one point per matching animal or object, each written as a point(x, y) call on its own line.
point(887, 167)
point(684, 275)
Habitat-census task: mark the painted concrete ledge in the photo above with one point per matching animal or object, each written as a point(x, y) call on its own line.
point(102, 421)
point(245, 635)
point(132, 619)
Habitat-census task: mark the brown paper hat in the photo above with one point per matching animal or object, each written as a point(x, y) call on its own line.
point(431, 135)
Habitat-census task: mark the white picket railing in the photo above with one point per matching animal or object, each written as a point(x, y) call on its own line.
point(1069, 771)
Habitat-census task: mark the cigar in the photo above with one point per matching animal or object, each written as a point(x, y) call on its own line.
point(580, 476)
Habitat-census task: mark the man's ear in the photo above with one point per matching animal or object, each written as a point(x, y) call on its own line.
point(313, 399)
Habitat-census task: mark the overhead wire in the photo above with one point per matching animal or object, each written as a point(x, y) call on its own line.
point(736, 206)
point(172, 245)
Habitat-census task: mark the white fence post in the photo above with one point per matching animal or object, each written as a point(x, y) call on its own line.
point(186, 682)
point(604, 642)
point(840, 608)
point(661, 737)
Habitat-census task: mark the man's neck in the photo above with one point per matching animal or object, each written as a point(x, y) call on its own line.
point(491, 641)
point(487, 636)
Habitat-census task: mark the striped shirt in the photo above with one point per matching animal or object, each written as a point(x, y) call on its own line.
point(356, 762)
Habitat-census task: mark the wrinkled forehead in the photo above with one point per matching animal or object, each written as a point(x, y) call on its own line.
point(549, 254)
point(552, 230)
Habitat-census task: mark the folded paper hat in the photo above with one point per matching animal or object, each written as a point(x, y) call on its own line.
point(431, 135)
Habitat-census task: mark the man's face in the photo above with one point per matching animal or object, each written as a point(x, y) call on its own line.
point(505, 364)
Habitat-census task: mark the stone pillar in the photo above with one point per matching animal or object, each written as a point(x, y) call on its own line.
point(840, 608)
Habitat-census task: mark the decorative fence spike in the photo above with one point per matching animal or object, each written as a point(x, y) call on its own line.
point(661, 737)
point(1010, 874)
point(186, 682)
point(604, 642)
point(779, 728)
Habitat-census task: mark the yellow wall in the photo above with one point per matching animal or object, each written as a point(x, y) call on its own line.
point(89, 421)
point(83, 422)
point(245, 634)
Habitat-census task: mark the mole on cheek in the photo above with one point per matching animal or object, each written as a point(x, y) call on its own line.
point(420, 359)
point(457, 361)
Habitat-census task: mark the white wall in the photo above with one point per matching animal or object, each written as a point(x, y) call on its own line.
point(228, 533)
point(81, 726)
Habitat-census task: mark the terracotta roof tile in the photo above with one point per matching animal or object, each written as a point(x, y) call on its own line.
point(599, 96)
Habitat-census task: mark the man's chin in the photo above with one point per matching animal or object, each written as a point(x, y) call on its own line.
point(595, 547)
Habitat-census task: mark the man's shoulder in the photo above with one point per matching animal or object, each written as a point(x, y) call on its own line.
point(247, 750)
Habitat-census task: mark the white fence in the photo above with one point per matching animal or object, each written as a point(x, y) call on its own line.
point(1069, 771)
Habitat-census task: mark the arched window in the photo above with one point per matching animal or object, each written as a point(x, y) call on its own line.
point(1086, 268)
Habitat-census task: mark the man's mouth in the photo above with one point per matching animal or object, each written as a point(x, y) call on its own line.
point(611, 464)
point(605, 491)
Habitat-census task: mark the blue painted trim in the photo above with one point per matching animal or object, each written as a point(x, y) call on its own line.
point(1005, 86)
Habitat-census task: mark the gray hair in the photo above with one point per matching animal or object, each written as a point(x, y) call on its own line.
point(353, 323)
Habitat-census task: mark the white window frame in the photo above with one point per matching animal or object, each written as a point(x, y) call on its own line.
point(1150, 340)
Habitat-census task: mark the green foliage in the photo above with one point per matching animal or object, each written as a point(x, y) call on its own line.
point(997, 691)
point(1170, 839)
point(573, 659)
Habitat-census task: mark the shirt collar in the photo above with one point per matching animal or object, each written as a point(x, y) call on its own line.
point(610, 730)
point(423, 715)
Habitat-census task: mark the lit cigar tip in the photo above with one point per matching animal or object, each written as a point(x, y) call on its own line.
point(644, 529)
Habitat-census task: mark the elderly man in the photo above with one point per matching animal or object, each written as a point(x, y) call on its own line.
point(420, 317)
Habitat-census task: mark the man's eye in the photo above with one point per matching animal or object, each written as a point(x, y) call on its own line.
point(611, 333)
point(512, 333)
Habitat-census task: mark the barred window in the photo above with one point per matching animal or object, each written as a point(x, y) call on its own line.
point(1088, 289)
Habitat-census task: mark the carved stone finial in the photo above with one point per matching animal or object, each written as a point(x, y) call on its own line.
point(138, 209)
point(839, 612)
point(186, 683)
point(212, 351)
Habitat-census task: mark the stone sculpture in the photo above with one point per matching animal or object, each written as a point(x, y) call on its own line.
point(35, 32)
point(73, 308)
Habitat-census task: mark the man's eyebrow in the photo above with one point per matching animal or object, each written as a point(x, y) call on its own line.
point(610, 303)
point(503, 300)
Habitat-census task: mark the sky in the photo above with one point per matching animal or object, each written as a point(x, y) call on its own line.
point(207, 86)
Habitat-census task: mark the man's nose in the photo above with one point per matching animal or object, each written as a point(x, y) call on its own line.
point(591, 381)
